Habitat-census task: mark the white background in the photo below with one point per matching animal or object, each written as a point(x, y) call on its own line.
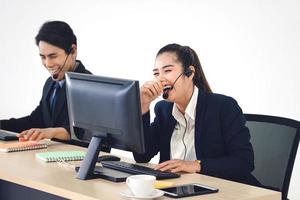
point(249, 49)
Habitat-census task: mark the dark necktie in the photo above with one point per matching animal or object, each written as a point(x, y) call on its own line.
point(54, 96)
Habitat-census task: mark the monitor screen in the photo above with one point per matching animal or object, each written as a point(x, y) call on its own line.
point(108, 108)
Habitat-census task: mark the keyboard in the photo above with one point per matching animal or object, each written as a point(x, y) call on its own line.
point(138, 169)
point(7, 135)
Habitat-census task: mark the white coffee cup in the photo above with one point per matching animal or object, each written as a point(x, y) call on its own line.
point(141, 185)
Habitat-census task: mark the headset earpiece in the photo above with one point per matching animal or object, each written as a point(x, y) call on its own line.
point(188, 72)
point(70, 50)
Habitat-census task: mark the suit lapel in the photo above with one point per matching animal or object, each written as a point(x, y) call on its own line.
point(60, 103)
point(169, 122)
point(172, 123)
point(50, 120)
point(61, 98)
point(46, 104)
point(199, 124)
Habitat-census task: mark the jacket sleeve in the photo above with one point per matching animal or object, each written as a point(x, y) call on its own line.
point(151, 137)
point(34, 120)
point(238, 158)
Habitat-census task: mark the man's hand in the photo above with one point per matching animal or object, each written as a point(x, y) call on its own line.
point(37, 134)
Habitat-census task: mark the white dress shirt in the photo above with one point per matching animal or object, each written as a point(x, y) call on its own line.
point(184, 131)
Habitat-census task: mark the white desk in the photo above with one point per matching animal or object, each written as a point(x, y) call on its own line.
point(24, 169)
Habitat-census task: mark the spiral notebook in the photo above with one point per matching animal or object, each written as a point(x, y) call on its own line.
point(21, 146)
point(60, 155)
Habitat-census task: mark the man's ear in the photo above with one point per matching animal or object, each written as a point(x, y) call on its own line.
point(74, 51)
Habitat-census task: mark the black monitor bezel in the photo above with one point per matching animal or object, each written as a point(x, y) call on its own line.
point(86, 170)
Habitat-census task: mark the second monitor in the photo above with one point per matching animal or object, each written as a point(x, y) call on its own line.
point(110, 109)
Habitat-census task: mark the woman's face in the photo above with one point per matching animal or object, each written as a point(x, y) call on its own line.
point(167, 69)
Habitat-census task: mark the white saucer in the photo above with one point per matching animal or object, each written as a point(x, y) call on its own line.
point(155, 194)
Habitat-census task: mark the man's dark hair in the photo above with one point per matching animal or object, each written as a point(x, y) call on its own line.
point(57, 33)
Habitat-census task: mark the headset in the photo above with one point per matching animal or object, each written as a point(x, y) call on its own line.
point(187, 72)
point(69, 51)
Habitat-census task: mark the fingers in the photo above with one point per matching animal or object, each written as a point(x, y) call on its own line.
point(31, 134)
point(178, 166)
point(23, 136)
point(168, 165)
point(152, 88)
point(35, 134)
point(149, 92)
point(158, 87)
point(173, 166)
point(163, 164)
point(40, 137)
point(21, 139)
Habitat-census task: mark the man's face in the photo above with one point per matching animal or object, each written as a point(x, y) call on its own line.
point(55, 59)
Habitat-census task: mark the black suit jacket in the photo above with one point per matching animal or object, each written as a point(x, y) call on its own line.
point(41, 117)
point(221, 137)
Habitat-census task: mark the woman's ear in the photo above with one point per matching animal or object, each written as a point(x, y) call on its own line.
point(192, 72)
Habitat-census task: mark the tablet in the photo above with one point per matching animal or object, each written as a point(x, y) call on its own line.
point(188, 190)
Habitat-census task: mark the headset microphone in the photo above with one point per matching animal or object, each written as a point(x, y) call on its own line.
point(55, 76)
point(188, 72)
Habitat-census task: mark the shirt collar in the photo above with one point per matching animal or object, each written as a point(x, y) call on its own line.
point(191, 107)
point(61, 83)
point(190, 110)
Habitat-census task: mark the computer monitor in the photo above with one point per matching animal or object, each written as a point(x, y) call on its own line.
point(108, 108)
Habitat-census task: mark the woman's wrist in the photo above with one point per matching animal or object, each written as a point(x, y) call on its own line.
point(145, 108)
point(198, 166)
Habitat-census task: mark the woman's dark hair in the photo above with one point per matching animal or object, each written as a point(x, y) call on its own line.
point(187, 56)
point(57, 33)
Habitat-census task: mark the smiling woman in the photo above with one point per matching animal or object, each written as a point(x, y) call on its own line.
point(194, 129)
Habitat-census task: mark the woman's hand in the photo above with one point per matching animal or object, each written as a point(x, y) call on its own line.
point(179, 166)
point(37, 134)
point(149, 92)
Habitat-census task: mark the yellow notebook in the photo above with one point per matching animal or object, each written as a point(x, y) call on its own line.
point(21, 146)
point(163, 184)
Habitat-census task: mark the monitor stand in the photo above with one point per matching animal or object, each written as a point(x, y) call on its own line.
point(109, 174)
point(89, 170)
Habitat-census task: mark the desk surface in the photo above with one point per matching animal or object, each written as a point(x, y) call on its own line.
point(24, 169)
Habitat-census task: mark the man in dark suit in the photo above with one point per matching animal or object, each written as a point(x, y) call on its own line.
point(58, 51)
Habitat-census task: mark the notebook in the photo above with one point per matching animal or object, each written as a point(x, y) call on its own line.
point(60, 155)
point(7, 135)
point(21, 146)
